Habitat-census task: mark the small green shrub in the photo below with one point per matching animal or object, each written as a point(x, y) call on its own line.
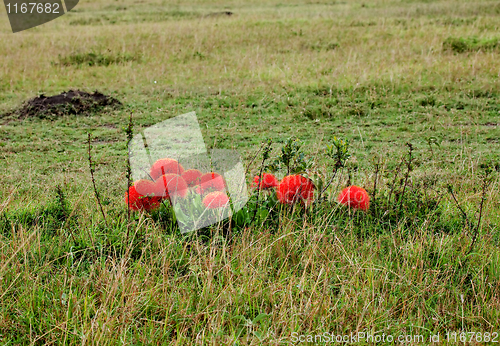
point(471, 44)
point(51, 217)
point(96, 59)
point(322, 46)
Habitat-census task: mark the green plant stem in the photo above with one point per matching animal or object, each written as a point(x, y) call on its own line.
point(129, 132)
point(96, 193)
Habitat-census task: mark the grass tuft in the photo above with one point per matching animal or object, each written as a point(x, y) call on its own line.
point(470, 44)
point(97, 59)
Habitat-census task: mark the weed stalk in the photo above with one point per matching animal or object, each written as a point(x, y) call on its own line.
point(91, 166)
point(486, 182)
point(265, 155)
point(129, 131)
point(409, 169)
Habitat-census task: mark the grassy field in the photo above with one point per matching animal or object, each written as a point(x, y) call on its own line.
point(379, 73)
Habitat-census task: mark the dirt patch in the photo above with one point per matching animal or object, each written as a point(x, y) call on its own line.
point(219, 14)
point(66, 103)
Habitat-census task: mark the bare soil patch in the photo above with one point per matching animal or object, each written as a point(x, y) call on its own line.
point(66, 103)
point(219, 14)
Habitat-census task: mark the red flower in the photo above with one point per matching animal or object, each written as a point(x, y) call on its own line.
point(165, 166)
point(177, 187)
point(150, 203)
point(170, 185)
point(268, 181)
point(161, 185)
point(209, 176)
point(210, 182)
point(134, 198)
point(355, 197)
point(192, 177)
point(138, 201)
point(199, 190)
point(216, 184)
point(215, 199)
point(145, 187)
point(294, 188)
point(211, 186)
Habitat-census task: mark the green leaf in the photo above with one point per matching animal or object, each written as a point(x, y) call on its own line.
point(179, 214)
point(260, 317)
point(258, 335)
point(262, 214)
point(241, 217)
point(241, 318)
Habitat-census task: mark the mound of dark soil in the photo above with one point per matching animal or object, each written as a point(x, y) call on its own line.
point(219, 14)
point(71, 102)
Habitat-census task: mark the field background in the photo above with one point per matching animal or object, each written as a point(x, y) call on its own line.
point(378, 73)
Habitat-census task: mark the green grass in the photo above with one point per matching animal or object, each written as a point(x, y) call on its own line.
point(379, 74)
point(472, 44)
point(95, 59)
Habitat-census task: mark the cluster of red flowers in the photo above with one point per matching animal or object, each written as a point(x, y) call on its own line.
point(169, 180)
point(296, 188)
point(291, 189)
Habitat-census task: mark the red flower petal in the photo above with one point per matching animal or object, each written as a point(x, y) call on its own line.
point(134, 203)
point(268, 181)
point(145, 187)
point(216, 184)
point(150, 203)
point(215, 199)
point(209, 176)
point(138, 201)
point(294, 188)
point(165, 166)
point(170, 185)
point(355, 197)
point(192, 177)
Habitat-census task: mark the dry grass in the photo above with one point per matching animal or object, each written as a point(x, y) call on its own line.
point(303, 279)
point(374, 72)
point(261, 46)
